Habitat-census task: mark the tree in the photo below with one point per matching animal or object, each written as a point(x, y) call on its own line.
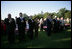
point(52, 15)
point(68, 14)
point(26, 16)
point(61, 12)
point(45, 15)
point(34, 16)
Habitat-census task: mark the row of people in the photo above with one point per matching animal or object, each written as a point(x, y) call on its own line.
point(31, 26)
point(22, 25)
point(58, 24)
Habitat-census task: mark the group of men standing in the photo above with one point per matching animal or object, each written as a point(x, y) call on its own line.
point(23, 25)
point(30, 27)
point(52, 25)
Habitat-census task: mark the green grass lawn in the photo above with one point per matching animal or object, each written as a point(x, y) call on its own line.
point(56, 40)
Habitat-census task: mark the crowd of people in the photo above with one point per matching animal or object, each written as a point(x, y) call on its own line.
point(30, 27)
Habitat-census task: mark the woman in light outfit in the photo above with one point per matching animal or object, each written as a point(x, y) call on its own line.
point(27, 26)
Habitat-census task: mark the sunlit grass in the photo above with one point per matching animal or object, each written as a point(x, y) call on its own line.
point(65, 39)
point(69, 30)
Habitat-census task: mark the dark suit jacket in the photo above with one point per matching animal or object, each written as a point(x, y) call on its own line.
point(55, 23)
point(21, 25)
point(49, 25)
point(10, 26)
point(30, 24)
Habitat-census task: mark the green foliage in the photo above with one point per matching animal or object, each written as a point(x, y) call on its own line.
point(63, 12)
point(45, 15)
point(39, 16)
point(68, 14)
point(34, 16)
point(26, 16)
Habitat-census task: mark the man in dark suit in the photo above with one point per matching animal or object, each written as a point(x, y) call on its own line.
point(49, 25)
point(58, 25)
point(10, 27)
point(21, 27)
point(36, 26)
point(30, 32)
point(55, 25)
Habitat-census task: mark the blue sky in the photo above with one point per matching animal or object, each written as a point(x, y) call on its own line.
point(31, 7)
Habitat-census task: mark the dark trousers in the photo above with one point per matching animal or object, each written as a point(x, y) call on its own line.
point(61, 28)
point(11, 36)
point(21, 35)
point(2, 32)
point(36, 32)
point(30, 33)
point(41, 27)
point(49, 31)
point(55, 29)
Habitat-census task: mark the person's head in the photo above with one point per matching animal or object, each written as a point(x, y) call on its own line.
point(20, 14)
point(9, 16)
point(61, 18)
point(67, 18)
point(35, 19)
point(70, 19)
point(2, 21)
point(44, 19)
point(57, 18)
point(48, 17)
point(16, 17)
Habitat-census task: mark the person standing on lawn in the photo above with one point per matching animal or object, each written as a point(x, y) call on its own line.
point(36, 27)
point(49, 25)
point(10, 27)
point(21, 27)
point(55, 24)
point(3, 28)
point(62, 24)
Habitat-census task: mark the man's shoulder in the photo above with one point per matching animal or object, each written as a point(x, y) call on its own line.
point(53, 19)
point(12, 18)
point(6, 18)
point(47, 19)
point(18, 18)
